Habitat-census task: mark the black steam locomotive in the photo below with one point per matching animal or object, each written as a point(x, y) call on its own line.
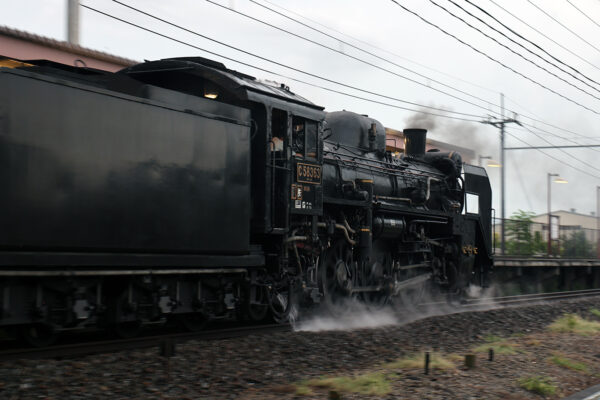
point(181, 189)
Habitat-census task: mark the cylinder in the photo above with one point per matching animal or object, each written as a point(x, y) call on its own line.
point(388, 228)
point(415, 140)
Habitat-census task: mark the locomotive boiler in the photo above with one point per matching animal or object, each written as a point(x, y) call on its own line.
point(181, 190)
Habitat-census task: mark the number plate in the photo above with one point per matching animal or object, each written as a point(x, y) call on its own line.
point(308, 173)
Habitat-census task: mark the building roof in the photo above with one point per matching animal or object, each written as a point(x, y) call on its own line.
point(567, 212)
point(64, 46)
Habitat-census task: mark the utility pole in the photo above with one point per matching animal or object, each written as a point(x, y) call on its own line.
point(598, 221)
point(500, 124)
point(73, 21)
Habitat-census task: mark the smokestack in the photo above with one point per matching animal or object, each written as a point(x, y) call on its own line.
point(73, 21)
point(414, 141)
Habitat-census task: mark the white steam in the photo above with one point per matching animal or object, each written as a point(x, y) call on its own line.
point(350, 315)
point(353, 314)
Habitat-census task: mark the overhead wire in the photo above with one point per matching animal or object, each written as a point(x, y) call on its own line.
point(528, 41)
point(583, 13)
point(374, 46)
point(424, 66)
point(551, 156)
point(548, 133)
point(540, 121)
point(562, 150)
point(515, 52)
point(289, 77)
point(263, 69)
point(359, 49)
point(492, 58)
point(544, 35)
point(303, 24)
point(521, 182)
point(561, 24)
point(343, 54)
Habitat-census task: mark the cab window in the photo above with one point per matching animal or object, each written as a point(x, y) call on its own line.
point(311, 139)
point(298, 136)
point(304, 138)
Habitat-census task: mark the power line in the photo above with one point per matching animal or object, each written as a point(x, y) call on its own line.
point(386, 51)
point(561, 24)
point(298, 80)
point(554, 158)
point(538, 120)
point(513, 51)
point(562, 150)
point(289, 67)
point(528, 41)
point(584, 14)
point(544, 35)
point(521, 182)
point(341, 52)
point(355, 47)
point(548, 133)
point(493, 59)
point(424, 66)
point(282, 75)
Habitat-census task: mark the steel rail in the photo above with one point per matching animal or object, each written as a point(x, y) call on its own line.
point(532, 298)
point(109, 346)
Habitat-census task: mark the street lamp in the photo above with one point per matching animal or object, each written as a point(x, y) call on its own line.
point(491, 163)
point(484, 158)
point(557, 180)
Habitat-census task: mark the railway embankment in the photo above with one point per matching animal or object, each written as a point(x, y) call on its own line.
point(546, 350)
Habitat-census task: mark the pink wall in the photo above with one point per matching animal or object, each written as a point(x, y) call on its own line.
point(24, 50)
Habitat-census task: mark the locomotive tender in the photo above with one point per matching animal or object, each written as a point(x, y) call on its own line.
point(180, 188)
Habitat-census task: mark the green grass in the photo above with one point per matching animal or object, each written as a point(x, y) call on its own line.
point(538, 385)
point(595, 312)
point(498, 344)
point(573, 323)
point(570, 364)
point(417, 361)
point(374, 384)
point(303, 390)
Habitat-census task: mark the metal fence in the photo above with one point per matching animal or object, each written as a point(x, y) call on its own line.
point(527, 238)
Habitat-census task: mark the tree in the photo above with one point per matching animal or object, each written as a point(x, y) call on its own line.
point(577, 246)
point(519, 238)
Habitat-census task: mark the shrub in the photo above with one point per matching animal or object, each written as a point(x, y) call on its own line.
point(570, 364)
point(375, 384)
point(538, 384)
point(573, 323)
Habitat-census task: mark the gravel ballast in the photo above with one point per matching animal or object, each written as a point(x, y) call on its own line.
point(269, 366)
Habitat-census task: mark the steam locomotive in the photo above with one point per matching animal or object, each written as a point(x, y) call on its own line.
point(180, 189)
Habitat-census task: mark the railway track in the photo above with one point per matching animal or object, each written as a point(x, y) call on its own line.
point(108, 346)
point(532, 298)
point(519, 299)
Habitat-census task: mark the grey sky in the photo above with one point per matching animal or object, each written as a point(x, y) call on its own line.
point(414, 45)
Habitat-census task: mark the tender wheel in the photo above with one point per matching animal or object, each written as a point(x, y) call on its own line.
point(127, 323)
point(336, 274)
point(39, 334)
point(283, 302)
point(257, 303)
